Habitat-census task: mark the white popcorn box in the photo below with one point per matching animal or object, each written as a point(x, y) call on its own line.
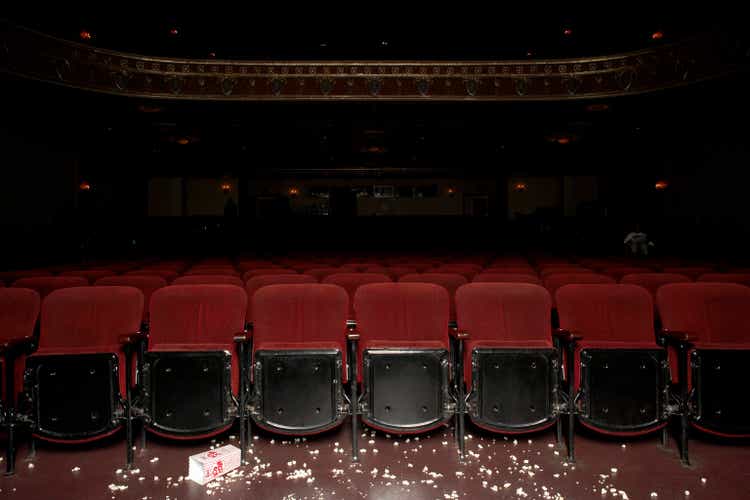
point(207, 466)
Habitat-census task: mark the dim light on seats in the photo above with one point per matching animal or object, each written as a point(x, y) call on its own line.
point(84, 186)
point(661, 185)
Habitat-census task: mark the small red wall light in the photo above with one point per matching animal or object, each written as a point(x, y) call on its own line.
point(520, 187)
point(661, 185)
point(567, 32)
point(84, 186)
point(85, 35)
point(563, 140)
point(451, 191)
point(182, 141)
point(293, 192)
point(657, 35)
point(226, 187)
point(174, 32)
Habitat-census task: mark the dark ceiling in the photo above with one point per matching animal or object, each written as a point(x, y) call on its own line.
point(324, 31)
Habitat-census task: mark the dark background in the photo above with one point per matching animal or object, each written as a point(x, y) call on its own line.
point(695, 138)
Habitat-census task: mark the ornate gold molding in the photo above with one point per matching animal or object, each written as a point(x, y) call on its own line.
point(30, 54)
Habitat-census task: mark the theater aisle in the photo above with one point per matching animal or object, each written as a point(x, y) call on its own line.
point(391, 467)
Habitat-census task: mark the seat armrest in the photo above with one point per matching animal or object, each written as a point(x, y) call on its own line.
point(458, 334)
point(16, 343)
point(352, 335)
point(567, 335)
point(243, 336)
point(675, 337)
point(132, 338)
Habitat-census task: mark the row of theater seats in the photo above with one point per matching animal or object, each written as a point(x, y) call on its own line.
point(301, 367)
point(352, 280)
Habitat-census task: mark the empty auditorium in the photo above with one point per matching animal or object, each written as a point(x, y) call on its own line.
point(350, 252)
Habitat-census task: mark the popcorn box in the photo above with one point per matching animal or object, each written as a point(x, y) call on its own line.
point(207, 466)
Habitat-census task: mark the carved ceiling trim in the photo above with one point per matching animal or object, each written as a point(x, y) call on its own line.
point(30, 54)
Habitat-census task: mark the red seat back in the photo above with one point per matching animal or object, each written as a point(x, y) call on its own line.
point(89, 319)
point(9, 277)
point(402, 315)
point(212, 271)
point(47, 284)
point(320, 273)
point(504, 312)
point(653, 281)
point(691, 271)
point(19, 310)
point(493, 277)
point(209, 279)
point(352, 281)
point(91, 275)
point(510, 270)
point(607, 314)
point(715, 312)
point(548, 271)
point(267, 271)
point(146, 284)
point(195, 317)
point(449, 281)
point(555, 281)
point(300, 316)
point(510, 315)
point(258, 282)
point(167, 274)
point(739, 278)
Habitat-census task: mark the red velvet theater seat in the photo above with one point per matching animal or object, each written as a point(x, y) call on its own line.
point(246, 265)
point(548, 271)
point(402, 358)
point(300, 355)
point(396, 272)
point(77, 379)
point(449, 281)
point(495, 269)
point(48, 284)
point(510, 366)
point(91, 275)
point(352, 281)
point(492, 277)
point(267, 271)
point(653, 281)
point(255, 284)
point(690, 271)
point(554, 281)
point(19, 310)
point(739, 278)
point(320, 273)
point(191, 372)
point(9, 277)
point(619, 373)
point(468, 271)
point(209, 279)
point(212, 271)
point(618, 272)
point(713, 316)
point(167, 274)
point(146, 284)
